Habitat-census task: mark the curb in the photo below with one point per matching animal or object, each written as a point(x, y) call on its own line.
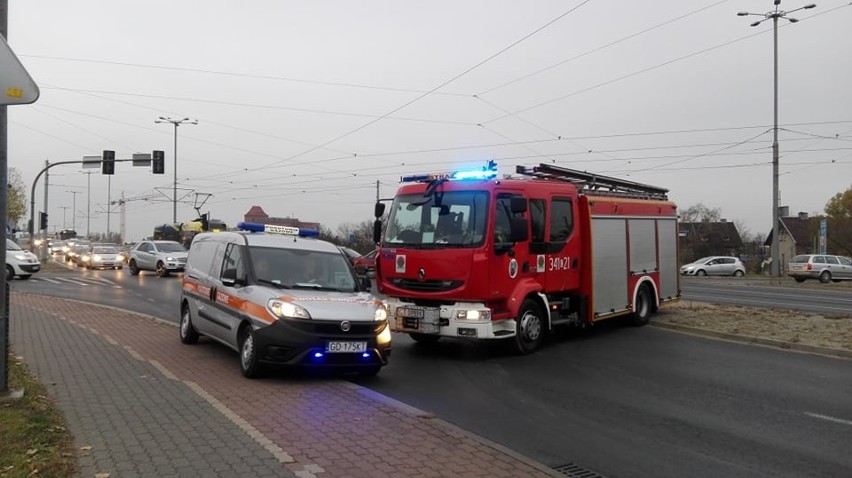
point(778, 344)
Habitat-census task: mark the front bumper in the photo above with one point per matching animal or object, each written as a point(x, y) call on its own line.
point(304, 343)
point(445, 320)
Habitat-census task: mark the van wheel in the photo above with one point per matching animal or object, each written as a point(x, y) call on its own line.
point(134, 269)
point(161, 270)
point(249, 363)
point(825, 277)
point(529, 328)
point(188, 334)
point(424, 338)
point(642, 307)
point(10, 273)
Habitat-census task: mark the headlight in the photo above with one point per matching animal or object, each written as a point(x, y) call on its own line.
point(21, 257)
point(286, 310)
point(170, 258)
point(482, 314)
point(381, 314)
point(97, 258)
point(384, 336)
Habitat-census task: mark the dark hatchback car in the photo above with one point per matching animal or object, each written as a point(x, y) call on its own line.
point(366, 264)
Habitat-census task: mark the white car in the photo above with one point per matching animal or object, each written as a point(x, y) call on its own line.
point(163, 257)
point(714, 266)
point(19, 262)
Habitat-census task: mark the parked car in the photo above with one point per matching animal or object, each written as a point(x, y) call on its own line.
point(714, 266)
point(19, 262)
point(101, 257)
point(823, 267)
point(366, 264)
point(163, 257)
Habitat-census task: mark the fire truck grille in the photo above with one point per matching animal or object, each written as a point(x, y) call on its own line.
point(426, 285)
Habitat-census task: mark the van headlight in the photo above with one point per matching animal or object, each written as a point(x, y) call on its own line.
point(381, 314)
point(286, 310)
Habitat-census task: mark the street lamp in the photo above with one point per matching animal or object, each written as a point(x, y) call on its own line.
point(774, 15)
point(176, 123)
point(74, 210)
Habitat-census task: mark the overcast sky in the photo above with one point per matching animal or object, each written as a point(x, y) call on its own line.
point(303, 106)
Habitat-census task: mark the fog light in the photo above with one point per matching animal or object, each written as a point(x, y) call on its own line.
point(466, 332)
point(318, 355)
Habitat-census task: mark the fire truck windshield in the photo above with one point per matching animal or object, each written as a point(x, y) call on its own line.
point(448, 219)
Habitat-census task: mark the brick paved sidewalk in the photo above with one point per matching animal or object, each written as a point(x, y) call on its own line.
point(148, 405)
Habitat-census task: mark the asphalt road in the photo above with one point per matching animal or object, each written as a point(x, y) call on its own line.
point(818, 298)
point(620, 400)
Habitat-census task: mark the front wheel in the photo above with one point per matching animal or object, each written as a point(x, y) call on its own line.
point(10, 272)
point(161, 270)
point(424, 338)
point(249, 363)
point(825, 277)
point(188, 334)
point(134, 269)
point(701, 273)
point(529, 328)
point(642, 307)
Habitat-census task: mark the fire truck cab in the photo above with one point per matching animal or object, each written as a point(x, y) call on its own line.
point(470, 255)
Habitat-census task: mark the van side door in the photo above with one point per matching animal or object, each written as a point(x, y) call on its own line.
point(227, 298)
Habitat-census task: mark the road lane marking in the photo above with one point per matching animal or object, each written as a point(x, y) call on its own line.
point(828, 418)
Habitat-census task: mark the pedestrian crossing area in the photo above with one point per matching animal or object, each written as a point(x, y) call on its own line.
point(76, 280)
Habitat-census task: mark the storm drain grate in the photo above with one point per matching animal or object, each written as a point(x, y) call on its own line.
point(576, 471)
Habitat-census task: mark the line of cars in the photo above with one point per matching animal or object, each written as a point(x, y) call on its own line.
point(822, 267)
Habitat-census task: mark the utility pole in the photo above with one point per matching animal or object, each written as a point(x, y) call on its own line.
point(88, 203)
point(176, 123)
point(776, 267)
point(64, 209)
point(74, 210)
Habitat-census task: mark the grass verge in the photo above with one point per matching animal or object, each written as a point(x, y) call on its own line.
point(34, 440)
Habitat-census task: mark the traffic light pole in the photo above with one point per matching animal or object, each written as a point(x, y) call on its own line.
point(32, 223)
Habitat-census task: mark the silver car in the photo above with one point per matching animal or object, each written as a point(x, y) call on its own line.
point(714, 266)
point(823, 267)
point(163, 257)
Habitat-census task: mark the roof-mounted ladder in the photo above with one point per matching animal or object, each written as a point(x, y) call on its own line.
point(594, 183)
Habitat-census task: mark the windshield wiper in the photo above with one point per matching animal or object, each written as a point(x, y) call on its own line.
point(274, 283)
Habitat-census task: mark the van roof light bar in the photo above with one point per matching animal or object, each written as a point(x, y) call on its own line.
point(275, 229)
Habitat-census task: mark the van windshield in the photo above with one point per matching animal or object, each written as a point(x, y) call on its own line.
point(289, 268)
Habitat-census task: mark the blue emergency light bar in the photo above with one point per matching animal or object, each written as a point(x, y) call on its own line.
point(489, 171)
point(273, 229)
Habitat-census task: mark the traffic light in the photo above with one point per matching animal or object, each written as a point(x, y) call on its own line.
point(108, 162)
point(158, 165)
point(205, 225)
point(42, 220)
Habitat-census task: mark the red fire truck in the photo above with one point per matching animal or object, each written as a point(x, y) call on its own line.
point(470, 255)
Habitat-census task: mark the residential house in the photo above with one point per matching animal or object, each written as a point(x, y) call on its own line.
point(706, 238)
point(256, 214)
point(799, 235)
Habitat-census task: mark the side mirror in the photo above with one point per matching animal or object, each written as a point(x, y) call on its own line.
point(366, 283)
point(229, 278)
point(518, 204)
point(519, 229)
point(379, 210)
point(377, 231)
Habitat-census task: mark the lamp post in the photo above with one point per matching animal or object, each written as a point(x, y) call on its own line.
point(74, 210)
point(774, 15)
point(176, 123)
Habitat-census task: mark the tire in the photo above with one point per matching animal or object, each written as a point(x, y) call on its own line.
point(529, 328)
point(10, 273)
point(161, 270)
point(424, 338)
point(643, 306)
point(739, 273)
point(825, 277)
point(134, 269)
point(701, 272)
point(188, 334)
point(799, 279)
point(249, 363)
point(24, 276)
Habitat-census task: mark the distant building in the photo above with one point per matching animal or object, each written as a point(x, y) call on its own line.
point(258, 215)
point(799, 235)
point(702, 239)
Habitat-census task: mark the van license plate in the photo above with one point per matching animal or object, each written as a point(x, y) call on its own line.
point(345, 347)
